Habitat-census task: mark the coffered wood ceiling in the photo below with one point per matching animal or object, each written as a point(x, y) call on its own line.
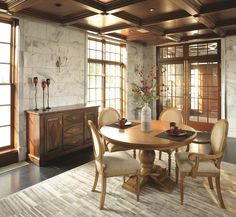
point(145, 21)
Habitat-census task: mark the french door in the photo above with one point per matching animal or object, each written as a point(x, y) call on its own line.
point(191, 83)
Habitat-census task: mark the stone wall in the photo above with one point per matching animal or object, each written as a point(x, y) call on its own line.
point(41, 45)
point(134, 58)
point(228, 82)
point(142, 56)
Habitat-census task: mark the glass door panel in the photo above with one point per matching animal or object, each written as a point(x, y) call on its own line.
point(171, 86)
point(204, 95)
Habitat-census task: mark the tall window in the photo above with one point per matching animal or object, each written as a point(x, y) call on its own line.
point(6, 84)
point(106, 72)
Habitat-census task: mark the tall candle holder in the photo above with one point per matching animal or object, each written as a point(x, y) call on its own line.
point(48, 83)
point(35, 93)
point(43, 84)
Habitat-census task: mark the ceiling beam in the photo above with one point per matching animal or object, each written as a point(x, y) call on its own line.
point(217, 6)
point(190, 6)
point(18, 5)
point(117, 35)
point(186, 28)
point(193, 7)
point(113, 28)
point(227, 22)
point(118, 5)
point(72, 19)
point(95, 6)
point(203, 36)
point(128, 18)
point(40, 15)
point(86, 27)
point(165, 17)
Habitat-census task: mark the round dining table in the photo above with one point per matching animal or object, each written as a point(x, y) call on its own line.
point(147, 142)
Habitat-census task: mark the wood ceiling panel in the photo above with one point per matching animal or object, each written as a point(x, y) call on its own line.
point(176, 19)
point(67, 7)
point(229, 28)
point(142, 9)
point(177, 23)
point(225, 14)
point(209, 1)
point(147, 38)
point(101, 21)
point(197, 32)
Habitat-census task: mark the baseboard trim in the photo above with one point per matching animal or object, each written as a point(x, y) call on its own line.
point(8, 157)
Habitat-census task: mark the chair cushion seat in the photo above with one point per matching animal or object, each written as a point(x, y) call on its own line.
point(186, 165)
point(112, 148)
point(120, 162)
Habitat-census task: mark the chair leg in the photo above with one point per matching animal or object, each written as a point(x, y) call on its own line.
point(160, 152)
point(138, 187)
point(176, 174)
point(103, 193)
point(210, 182)
point(123, 179)
point(169, 163)
point(95, 180)
point(222, 205)
point(181, 186)
point(134, 154)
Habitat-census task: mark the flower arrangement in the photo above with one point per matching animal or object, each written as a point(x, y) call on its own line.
point(145, 90)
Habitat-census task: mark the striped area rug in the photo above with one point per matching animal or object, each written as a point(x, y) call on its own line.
point(69, 194)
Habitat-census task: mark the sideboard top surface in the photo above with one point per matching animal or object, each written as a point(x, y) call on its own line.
point(60, 109)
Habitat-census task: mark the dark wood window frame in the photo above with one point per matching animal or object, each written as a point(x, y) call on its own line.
point(187, 60)
point(14, 24)
point(104, 61)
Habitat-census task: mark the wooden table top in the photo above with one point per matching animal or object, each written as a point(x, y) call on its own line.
point(135, 139)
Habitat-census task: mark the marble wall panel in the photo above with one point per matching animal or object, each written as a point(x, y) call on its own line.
point(138, 55)
point(228, 50)
point(41, 45)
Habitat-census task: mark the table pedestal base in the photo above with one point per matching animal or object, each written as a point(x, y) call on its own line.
point(151, 174)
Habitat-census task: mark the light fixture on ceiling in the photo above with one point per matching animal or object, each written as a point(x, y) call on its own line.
point(195, 32)
point(151, 9)
point(142, 30)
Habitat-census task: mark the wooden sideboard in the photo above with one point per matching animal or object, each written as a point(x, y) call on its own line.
point(58, 131)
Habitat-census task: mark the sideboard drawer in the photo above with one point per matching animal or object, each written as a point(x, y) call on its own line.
point(73, 118)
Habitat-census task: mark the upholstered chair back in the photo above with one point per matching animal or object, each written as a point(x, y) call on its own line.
point(172, 115)
point(219, 136)
point(97, 143)
point(108, 116)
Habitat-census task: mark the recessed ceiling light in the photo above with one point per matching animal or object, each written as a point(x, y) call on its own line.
point(195, 32)
point(142, 30)
point(58, 5)
point(151, 9)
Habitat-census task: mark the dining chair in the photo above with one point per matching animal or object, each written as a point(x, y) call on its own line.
point(108, 116)
point(111, 164)
point(172, 115)
point(204, 165)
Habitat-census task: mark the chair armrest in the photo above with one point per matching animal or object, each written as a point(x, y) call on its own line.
point(193, 156)
point(197, 157)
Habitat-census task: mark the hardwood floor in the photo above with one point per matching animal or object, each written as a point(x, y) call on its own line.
point(26, 176)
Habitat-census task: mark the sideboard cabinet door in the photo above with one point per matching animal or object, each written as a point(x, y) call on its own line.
point(53, 133)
